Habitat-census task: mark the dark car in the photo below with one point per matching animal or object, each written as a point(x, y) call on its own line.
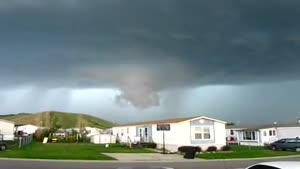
point(287, 144)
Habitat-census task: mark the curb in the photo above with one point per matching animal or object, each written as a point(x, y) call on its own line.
point(197, 160)
point(249, 159)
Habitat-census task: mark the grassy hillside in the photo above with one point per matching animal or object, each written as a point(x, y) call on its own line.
point(53, 118)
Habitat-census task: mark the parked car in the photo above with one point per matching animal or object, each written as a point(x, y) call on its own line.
point(287, 144)
point(276, 165)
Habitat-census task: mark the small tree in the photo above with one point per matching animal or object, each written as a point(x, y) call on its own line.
point(39, 135)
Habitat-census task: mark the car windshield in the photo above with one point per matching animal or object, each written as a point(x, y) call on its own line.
point(149, 83)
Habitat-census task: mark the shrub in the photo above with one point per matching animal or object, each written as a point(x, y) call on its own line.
point(198, 149)
point(226, 148)
point(211, 148)
point(40, 134)
point(149, 145)
point(85, 139)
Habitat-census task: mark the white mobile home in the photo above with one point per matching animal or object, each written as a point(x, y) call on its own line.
point(26, 129)
point(7, 129)
point(264, 134)
point(195, 131)
point(103, 139)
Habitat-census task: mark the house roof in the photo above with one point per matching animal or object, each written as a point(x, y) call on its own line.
point(167, 121)
point(7, 121)
point(264, 126)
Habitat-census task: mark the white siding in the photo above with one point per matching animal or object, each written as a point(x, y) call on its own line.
point(125, 132)
point(250, 143)
point(288, 132)
point(180, 135)
point(103, 139)
point(27, 129)
point(220, 134)
point(7, 129)
point(267, 139)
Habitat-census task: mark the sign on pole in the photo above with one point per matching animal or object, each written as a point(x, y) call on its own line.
point(163, 127)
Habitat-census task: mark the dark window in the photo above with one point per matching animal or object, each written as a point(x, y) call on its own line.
point(281, 141)
point(263, 167)
point(146, 132)
point(231, 132)
point(270, 133)
point(274, 133)
point(253, 136)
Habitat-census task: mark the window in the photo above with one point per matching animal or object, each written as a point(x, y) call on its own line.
point(281, 141)
point(206, 132)
point(127, 130)
point(249, 135)
point(272, 132)
point(292, 141)
point(231, 132)
point(198, 133)
point(202, 133)
point(265, 133)
point(146, 132)
point(122, 132)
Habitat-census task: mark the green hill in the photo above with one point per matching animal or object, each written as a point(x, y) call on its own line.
point(62, 119)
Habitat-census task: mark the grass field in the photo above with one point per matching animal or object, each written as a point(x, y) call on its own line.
point(245, 152)
point(71, 151)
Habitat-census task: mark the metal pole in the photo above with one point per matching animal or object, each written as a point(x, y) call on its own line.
point(164, 150)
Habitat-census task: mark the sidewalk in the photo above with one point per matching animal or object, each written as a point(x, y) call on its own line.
point(135, 157)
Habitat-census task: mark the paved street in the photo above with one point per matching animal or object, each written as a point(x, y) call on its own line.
point(20, 164)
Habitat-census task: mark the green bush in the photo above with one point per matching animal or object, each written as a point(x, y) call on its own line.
point(211, 148)
point(226, 148)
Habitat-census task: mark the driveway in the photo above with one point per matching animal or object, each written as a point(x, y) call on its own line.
point(132, 157)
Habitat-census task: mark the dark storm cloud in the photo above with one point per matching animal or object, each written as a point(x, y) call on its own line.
point(144, 47)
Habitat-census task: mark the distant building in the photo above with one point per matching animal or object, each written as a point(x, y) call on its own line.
point(26, 129)
point(262, 134)
point(7, 129)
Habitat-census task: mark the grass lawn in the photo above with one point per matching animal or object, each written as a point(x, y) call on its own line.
point(80, 151)
point(246, 152)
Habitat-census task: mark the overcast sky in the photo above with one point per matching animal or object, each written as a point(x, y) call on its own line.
point(130, 60)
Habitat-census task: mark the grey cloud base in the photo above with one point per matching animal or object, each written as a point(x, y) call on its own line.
point(143, 48)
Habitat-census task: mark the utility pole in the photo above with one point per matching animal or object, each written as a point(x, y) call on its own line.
point(164, 149)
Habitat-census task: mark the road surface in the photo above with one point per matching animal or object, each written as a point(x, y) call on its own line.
point(26, 164)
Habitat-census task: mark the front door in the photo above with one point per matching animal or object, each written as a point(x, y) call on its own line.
point(143, 134)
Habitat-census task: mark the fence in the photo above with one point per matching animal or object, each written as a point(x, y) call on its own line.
point(24, 140)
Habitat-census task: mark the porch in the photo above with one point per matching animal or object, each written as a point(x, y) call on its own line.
point(250, 137)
